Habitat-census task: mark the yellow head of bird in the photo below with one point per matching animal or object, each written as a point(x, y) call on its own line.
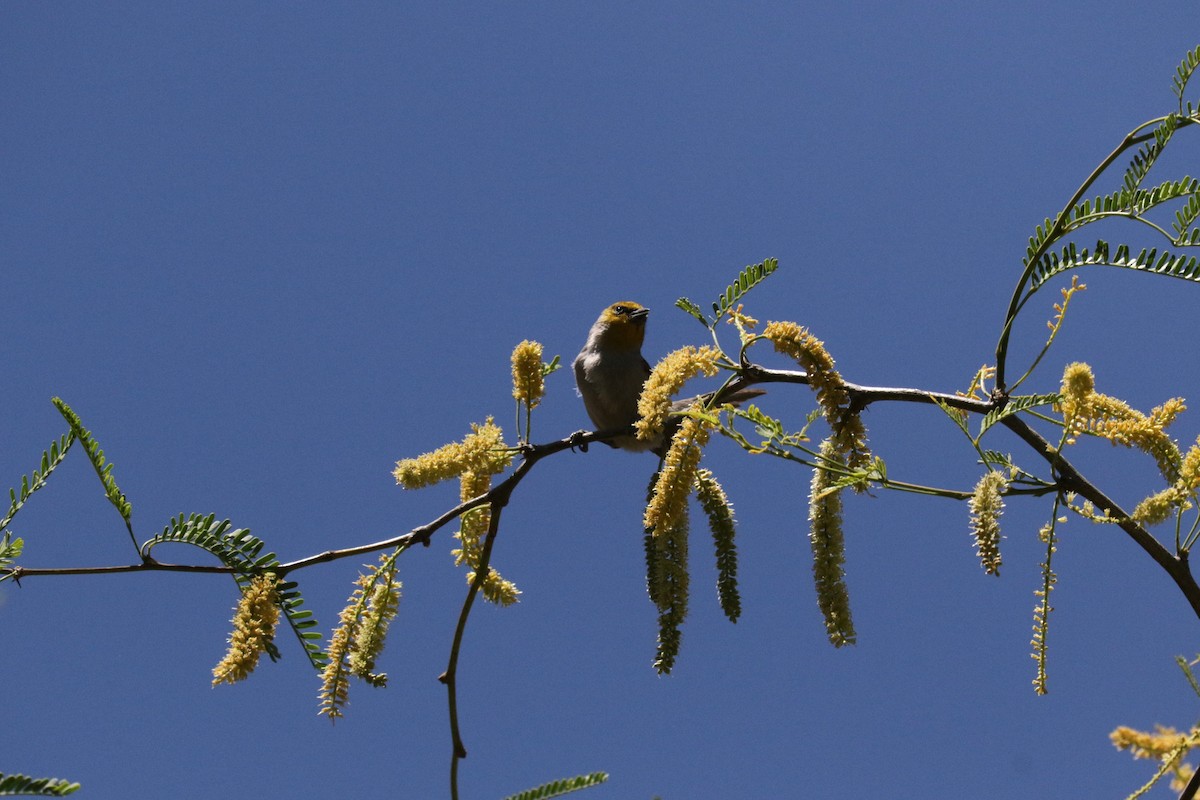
point(622, 325)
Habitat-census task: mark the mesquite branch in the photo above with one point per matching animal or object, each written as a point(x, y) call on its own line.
point(1067, 479)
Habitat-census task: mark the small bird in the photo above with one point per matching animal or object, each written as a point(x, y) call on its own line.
point(610, 372)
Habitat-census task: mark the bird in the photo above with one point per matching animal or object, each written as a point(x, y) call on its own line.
point(610, 372)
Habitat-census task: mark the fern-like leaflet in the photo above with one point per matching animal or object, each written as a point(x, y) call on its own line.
point(96, 456)
point(1148, 260)
point(10, 550)
point(1015, 405)
point(1146, 199)
point(747, 279)
point(1184, 217)
point(1125, 202)
point(1037, 242)
point(694, 311)
point(1184, 72)
point(559, 788)
point(50, 460)
point(13, 784)
point(1148, 153)
point(240, 551)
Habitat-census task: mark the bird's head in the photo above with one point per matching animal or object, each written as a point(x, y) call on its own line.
point(621, 325)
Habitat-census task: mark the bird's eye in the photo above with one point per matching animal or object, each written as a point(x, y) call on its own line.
point(620, 309)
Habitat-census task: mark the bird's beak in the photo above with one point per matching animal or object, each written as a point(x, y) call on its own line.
point(640, 314)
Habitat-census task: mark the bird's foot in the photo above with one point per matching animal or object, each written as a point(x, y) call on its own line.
point(578, 439)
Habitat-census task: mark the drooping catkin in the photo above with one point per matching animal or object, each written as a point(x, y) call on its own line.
point(829, 549)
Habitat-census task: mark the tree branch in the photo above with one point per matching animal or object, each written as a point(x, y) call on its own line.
point(1069, 478)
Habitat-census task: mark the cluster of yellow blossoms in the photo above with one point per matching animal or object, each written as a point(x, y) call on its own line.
point(254, 624)
point(1166, 745)
point(665, 381)
point(1086, 410)
point(849, 434)
point(986, 507)
point(529, 381)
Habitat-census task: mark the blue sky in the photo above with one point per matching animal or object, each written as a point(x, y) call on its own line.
point(265, 250)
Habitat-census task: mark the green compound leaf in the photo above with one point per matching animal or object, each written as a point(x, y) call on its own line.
point(10, 550)
point(1128, 203)
point(236, 549)
point(303, 624)
point(12, 785)
point(1184, 72)
point(1145, 199)
point(694, 310)
point(561, 787)
point(1160, 262)
point(747, 279)
point(994, 458)
point(242, 553)
point(96, 456)
point(956, 415)
point(1184, 218)
point(50, 460)
point(1148, 153)
point(1015, 405)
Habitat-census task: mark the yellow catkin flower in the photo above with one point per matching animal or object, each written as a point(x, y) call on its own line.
point(1167, 746)
point(741, 319)
point(986, 507)
point(829, 551)
point(667, 580)
point(1043, 609)
point(1142, 744)
point(1157, 508)
point(1085, 409)
point(850, 437)
point(1078, 386)
point(254, 624)
point(359, 637)
point(1162, 416)
point(1120, 424)
point(719, 511)
point(665, 381)
point(483, 450)
point(796, 341)
point(744, 322)
point(473, 527)
point(669, 501)
point(379, 601)
point(1078, 382)
point(335, 678)
point(1189, 469)
point(809, 351)
point(528, 382)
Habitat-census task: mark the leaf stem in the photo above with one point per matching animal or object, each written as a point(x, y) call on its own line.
point(1059, 227)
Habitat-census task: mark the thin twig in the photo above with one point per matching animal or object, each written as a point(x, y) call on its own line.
point(419, 535)
point(1069, 478)
point(450, 676)
point(1058, 229)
